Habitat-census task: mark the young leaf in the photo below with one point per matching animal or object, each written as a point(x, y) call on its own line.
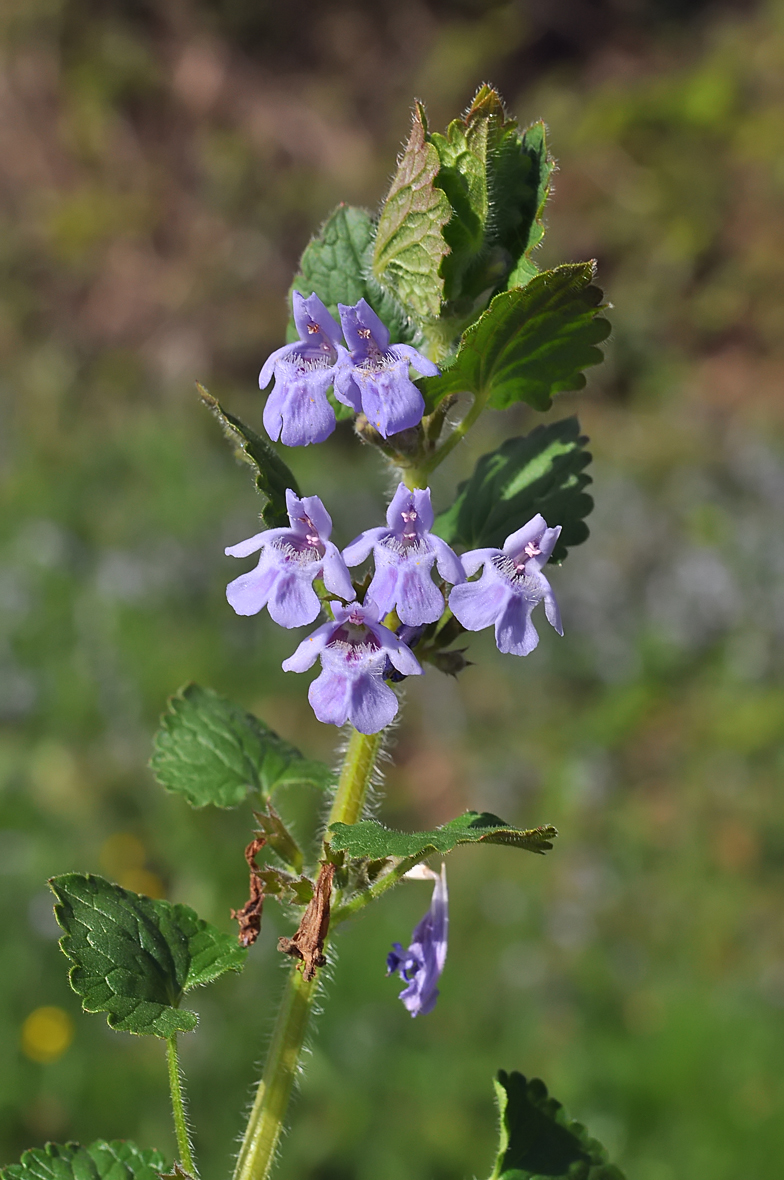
point(212, 751)
point(370, 838)
point(531, 343)
point(497, 182)
point(409, 243)
point(541, 472)
point(335, 261)
point(271, 475)
point(118, 1160)
point(523, 169)
point(538, 1139)
point(466, 154)
point(134, 957)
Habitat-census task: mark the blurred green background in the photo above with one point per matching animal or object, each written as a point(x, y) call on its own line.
point(162, 163)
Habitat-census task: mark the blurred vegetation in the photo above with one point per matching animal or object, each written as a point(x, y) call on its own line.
point(161, 166)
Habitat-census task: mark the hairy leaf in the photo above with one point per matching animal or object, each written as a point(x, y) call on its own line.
point(370, 838)
point(335, 261)
point(271, 475)
point(336, 266)
point(538, 1139)
point(497, 182)
point(544, 471)
point(531, 343)
point(117, 1160)
point(211, 751)
point(523, 171)
point(134, 957)
point(410, 243)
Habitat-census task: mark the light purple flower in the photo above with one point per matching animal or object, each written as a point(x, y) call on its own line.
point(290, 561)
point(374, 378)
point(421, 965)
point(510, 587)
point(404, 554)
point(354, 649)
point(297, 411)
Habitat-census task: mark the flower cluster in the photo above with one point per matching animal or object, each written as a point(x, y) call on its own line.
point(371, 375)
point(358, 651)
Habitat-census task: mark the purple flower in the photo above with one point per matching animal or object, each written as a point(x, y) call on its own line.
point(374, 378)
point(290, 561)
point(297, 411)
point(421, 965)
point(354, 649)
point(510, 587)
point(404, 553)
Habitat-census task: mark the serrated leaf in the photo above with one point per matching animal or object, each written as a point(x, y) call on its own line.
point(116, 1160)
point(369, 838)
point(523, 171)
point(271, 475)
point(531, 343)
point(409, 244)
point(543, 471)
point(134, 957)
point(335, 261)
point(497, 181)
point(336, 265)
point(539, 1140)
point(212, 751)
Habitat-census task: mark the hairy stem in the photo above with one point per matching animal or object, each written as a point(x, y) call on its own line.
point(178, 1107)
point(265, 1123)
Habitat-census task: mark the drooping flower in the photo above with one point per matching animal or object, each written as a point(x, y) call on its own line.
point(420, 966)
point(297, 411)
point(404, 553)
point(354, 649)
point(510, 587)
point(291, 559)
point(374, 378)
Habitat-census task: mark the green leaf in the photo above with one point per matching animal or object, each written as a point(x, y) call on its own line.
point(335, 261)
point(118, 1160)
point(538, 1140)
point(409, 244)
point(523, 171)
point(370, 838)
point(541, 472)
point(134, 957)
point(271, 475)
point(336, 266)
point(531, 343)
point(212, 751)
point(497, 182)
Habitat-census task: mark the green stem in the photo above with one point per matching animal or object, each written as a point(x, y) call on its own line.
point(178, 1107)
point(418, 475)
point(265, 1123)
point(360, 900)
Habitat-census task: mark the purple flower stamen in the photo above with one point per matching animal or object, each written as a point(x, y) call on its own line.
point(297, 411)
point(290, 561)
point(353, 648)
point(420, 966)
point(510, 587)
point(404, 553)
point(374, 378)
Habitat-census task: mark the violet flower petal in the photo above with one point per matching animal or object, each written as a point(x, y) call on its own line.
point(421, 965)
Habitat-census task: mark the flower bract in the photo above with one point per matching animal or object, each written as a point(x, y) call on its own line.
point(510, 587)
point(404, 553)
point(354, 649)
point(291, 559)
point(420, 966)
point(374, 377)
point(297, 411)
